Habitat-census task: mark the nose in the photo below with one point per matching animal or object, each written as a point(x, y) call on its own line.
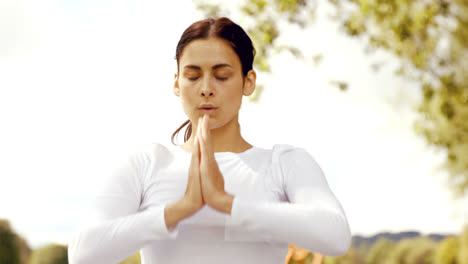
point(207, 89)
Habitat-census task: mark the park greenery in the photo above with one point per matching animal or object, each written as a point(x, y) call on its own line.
point(429, 39)
point(452, 249)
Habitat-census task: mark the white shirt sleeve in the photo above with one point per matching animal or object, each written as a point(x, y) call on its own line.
point(116, 229)
point(313, 219)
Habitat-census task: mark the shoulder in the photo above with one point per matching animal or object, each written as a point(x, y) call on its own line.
point(287, 152)
point(140, 158)
point(288, 157)
point(154, 153)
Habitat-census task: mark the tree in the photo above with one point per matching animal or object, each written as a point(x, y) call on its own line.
point(462, 254)
point(13, 248)
point(351, 257)
point(379, 251)
point(9, 251)
point(446, 251)
point(400, 252)
point(422, 251)
point(430, 38)
point(50, 254)
point(419, 250)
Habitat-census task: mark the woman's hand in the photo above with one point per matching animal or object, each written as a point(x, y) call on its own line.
point(193, 194)
point(212, 181)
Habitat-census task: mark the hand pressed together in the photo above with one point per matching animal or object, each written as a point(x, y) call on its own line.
point(206, 183)
point(212, 181)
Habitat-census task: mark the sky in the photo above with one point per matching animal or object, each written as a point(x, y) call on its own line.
point(84, 83)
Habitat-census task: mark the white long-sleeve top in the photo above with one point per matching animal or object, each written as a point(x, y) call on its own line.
point(281, 196)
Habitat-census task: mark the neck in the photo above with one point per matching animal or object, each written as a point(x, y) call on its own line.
point(226, 138)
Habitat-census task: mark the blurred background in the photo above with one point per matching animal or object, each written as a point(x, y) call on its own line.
point(376, 91)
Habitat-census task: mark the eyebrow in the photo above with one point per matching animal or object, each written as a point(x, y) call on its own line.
point(217, 66)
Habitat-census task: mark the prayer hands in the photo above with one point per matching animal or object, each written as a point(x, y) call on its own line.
point(193, 193)
point(212, 181)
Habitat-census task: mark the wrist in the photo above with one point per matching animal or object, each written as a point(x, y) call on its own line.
point(188, 206)
point(175, 212)
point(223, 203)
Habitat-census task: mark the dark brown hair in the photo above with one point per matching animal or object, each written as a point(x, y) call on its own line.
point(223, 28)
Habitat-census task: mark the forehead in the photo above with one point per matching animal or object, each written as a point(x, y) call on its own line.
point(209, 52)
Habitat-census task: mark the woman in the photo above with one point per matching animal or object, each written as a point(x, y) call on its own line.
point(216, 198)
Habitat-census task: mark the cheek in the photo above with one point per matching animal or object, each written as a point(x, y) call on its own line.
point(234, 97)
point(185, 99)
point(187, 93)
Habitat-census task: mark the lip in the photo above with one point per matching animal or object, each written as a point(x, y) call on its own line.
point(207, 106)
point(209, 111)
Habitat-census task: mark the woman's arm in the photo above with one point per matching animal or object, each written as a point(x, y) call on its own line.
point(176, 212)
point(313, 219)
point(118, 229)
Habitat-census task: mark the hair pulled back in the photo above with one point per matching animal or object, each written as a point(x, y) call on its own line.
point(223, 28)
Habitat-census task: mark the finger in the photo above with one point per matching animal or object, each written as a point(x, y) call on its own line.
point(207, 139)
point(196, 133)
point(203, 126)
point(206, 118)
point(203, 142)
point(197, 159)
point(202, 146)
point(200, 132)
point(206, 146)
point(194, 151)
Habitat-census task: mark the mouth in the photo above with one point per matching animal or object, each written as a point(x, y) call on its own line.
point(208, 110)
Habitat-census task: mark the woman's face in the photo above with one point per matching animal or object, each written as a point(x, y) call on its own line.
point(210, 72)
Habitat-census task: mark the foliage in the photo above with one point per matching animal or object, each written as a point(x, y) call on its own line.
point(430, 39)
point(446, 251)
point(379, 251)
point(351, 257)
point(9, 252)
point(134, 259)
point(462, 254)
point(13, 248)
point(418, 250)
point(50, 254)
point(422, 252)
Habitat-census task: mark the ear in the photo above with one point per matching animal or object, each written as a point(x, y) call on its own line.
point(249, 83)
point(176, 85)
